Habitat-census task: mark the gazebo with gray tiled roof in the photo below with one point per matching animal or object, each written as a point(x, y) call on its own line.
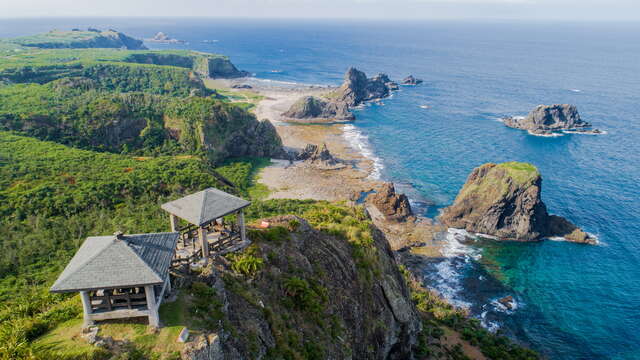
point(204, 212)
point(118, 276)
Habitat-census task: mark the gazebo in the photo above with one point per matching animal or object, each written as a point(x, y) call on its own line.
point(120, 276)
point(204, 212)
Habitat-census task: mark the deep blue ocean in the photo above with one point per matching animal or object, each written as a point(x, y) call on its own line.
point(574, 301)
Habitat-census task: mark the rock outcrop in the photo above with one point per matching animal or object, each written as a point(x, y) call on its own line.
point(411, 80)
point(391, 205)
point(357, 88)
point(503, 200)
point(339, 314)
point(311, 107)
point(546, 119)
point(319, 157)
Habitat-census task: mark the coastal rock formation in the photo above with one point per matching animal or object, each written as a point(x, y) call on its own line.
point(311, 107)
point(503, 200)
point(319, 157)
point(546, 119)
point(411, 80)
point(392, 206)
point(164, 38)
point(357, 88)
point(290, 295)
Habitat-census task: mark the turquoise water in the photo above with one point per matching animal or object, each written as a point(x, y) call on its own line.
point(575, 301)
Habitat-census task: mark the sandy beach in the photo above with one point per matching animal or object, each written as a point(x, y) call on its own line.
point(350, 183)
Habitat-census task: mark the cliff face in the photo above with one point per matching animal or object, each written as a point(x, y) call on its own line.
point(311, 107)
point(311, 300)
point(217, 67)
point(503, 200)
point(221, 130)
point(549, 118)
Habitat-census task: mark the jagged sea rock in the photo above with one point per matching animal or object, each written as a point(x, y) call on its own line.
point(319, 157)
point(357, 88)
point(411, 80)
point(545, 119)
point(311, 107)
point(503, 200)
point(391, 205)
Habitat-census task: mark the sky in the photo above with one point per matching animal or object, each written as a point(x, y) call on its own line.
point(572, 10)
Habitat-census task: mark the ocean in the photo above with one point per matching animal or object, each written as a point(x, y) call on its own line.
point(574, 301)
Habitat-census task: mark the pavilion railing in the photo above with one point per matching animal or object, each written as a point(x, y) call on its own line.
point(109, 301)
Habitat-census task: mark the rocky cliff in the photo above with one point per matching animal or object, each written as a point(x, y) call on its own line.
point(503, 200)
point(310, 107)
point(549, 118)
point(310, 299)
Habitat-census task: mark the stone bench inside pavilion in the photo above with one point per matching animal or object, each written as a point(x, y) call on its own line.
point(206, 232)
point(120, 276)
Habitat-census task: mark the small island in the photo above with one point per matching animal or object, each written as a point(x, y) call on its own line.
point(504, 200)
point(164, 38)
point(548, 120)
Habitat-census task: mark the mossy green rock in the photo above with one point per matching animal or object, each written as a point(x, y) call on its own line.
point(504, 200)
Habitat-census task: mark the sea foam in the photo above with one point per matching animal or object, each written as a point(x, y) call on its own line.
point(359, 141)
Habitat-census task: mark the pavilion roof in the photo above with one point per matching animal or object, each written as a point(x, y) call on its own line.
point(205, 206)
point(118, 261)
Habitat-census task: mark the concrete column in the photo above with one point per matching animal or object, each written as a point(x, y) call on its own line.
point(86, 307)
point(243, 230)
point(154, 319)
point(202, 234)
point(173, 220)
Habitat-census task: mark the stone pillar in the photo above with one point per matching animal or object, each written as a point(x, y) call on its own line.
point(173, 220)
point(154, 319)
point(243, 230)
point(202, 234)
point(86, 307)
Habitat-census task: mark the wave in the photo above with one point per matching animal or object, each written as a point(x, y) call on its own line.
point(359, 141)
point(447, 279)
point(575, 90)
point(553, 134)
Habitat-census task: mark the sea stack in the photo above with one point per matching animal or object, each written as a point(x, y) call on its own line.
point(546, 119)
point(503, 200)
point(391, 205)
point(357, 88)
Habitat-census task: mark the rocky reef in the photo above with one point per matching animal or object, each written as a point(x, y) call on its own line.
point(547, 119)
point(391, 205)
point(411, 80)
point(503, 200)
point(311, 107)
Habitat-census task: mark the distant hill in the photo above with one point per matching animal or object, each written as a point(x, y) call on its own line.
point(77, 39)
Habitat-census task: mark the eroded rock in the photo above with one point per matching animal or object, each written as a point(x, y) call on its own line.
point(504, 200)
